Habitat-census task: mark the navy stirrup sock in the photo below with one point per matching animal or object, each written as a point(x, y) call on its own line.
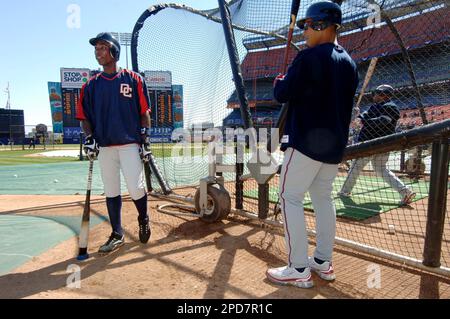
point(141, 206)
point(114, 205)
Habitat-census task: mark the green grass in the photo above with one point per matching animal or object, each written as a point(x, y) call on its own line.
point(19, 158)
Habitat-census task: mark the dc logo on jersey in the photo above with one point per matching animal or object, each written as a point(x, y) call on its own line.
point(126, 90)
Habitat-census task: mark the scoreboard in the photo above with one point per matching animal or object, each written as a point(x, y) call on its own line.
point(69, 100)
point(162, 109)
point(166, 101)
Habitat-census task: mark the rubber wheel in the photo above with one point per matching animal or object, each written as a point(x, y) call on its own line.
point(219, 203)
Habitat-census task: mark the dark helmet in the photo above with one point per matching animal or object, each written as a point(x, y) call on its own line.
point(324, 11)
point(385, 89)
point(108, 37)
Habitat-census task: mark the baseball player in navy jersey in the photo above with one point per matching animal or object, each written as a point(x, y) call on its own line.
point(114, 114)
point(379, 120)
point(320, 86)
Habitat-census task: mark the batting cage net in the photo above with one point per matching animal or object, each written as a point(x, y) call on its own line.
point(401, 48)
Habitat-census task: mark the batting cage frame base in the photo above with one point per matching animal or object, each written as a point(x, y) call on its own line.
point(224, 182)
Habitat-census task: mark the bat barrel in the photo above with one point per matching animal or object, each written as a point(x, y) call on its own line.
point(84, 230)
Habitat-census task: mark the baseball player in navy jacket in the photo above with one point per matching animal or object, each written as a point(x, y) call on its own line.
point(320, 86)
point(379, 120)
point(114, 114)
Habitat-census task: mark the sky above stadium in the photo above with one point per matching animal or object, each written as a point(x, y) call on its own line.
point(37, 40)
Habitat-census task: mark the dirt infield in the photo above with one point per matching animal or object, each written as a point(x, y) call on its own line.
point(187, 258)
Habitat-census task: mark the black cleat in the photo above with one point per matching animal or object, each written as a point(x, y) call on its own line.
point(144, 230)
point(114, 242)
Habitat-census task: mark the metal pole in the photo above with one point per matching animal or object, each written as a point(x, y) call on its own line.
point(402, 161)
point(235, 66)
point(436, 204)
point(239, 173)
point(10, 130)
point(263, 200)
point(240, 90)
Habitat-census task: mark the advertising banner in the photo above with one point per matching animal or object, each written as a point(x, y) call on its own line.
point(55, 96)
point(158, 79)
point(177, 106)
point(74, 78)
point(72, 135)
point(161, 134)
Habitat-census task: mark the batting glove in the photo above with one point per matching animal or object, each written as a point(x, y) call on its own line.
point(90, 147)
point(144, 149)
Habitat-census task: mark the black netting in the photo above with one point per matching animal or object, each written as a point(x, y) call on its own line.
point(407, 44)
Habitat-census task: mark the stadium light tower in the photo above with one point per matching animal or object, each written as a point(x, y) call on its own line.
point(8, 101)
point(124, 39)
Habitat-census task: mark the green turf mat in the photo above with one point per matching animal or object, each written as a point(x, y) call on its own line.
point(24, 237)
point(370, 197)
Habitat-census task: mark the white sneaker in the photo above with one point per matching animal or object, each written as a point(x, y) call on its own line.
point(325, 270)
point(290, 276)
point(408, 197)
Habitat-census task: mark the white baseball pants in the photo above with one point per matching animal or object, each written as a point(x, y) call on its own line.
point(379, 165)
point(300, 174)
point(112, 159)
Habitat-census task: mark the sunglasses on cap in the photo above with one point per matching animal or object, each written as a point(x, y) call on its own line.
point(315, 25)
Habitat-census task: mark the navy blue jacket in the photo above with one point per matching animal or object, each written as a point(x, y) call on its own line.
point(379, 120)
point(320, 87)
point(113, 104)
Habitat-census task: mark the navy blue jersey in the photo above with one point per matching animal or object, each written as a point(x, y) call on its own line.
point(320, 87)
point(379, 120)
point(113, 104)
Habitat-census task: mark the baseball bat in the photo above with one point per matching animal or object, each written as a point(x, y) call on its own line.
point(84, 231)
point(283, 113)
point(148, 178)
point(373, 63)
point(294, 11)
point(159, 176)
point(369, 73)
